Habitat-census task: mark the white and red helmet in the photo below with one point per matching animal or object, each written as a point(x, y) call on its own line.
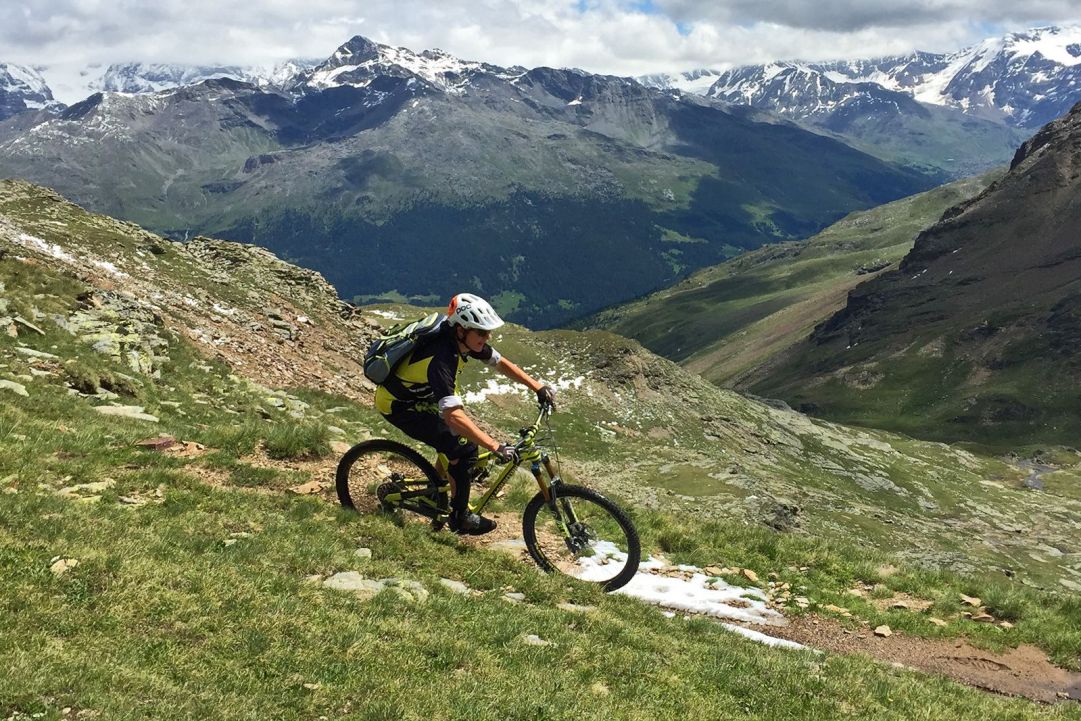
point(471, 311)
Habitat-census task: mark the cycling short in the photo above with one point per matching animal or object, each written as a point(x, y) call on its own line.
point(432, 430)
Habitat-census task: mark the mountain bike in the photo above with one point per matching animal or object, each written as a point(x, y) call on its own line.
point(567, 528)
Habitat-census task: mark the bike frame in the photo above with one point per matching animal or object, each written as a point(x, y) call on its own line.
point(528, 452)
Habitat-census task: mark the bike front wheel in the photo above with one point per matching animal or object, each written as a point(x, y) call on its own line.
point(370, 471)
point(583, 535)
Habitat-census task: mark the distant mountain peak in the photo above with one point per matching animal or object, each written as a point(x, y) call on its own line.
point(696, 81)
point(1022, 79)
point(137, 77)
point(361, 60)
point(21, 89)
point(357, 48)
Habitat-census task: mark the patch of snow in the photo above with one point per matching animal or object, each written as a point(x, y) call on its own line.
point(769, 72)
point(564, 383)
point(1051, 43)
point(699, 85)
point(693, 595)
point(51, 249)
point(223, 310)
point(386, 314)
point(493, 388)
point(109, 268)
point(697, 82)
point(763, 638)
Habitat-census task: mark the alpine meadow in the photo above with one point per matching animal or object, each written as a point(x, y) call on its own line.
point(811, 325)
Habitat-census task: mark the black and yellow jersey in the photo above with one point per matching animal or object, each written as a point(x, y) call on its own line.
point(426, 380)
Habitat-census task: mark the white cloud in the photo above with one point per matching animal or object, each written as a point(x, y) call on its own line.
point(624, 37)
point(848, 15)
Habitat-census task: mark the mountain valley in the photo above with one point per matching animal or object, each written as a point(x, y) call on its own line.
point(394, 155)
point(175, 411)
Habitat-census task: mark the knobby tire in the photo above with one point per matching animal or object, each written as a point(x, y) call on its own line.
point(341, 477)
point(538, 505)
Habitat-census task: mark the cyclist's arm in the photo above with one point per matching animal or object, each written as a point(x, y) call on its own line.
point(460, 423)
point(517, 374)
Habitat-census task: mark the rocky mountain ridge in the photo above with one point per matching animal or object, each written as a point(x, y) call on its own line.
point(23, 89)
point(155, 77)
point(395, 156)
point(920, 108)
point(888, 123)
point(1023, 79)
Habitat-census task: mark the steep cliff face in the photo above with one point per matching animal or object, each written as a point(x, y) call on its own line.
point(986, 302)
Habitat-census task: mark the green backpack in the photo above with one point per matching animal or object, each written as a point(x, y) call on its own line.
point(395, 344)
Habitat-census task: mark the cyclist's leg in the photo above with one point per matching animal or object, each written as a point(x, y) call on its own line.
point(432, 430)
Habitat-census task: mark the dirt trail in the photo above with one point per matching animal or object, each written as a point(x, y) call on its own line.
point(1024, 671)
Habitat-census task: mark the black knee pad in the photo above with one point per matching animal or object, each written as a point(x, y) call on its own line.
point(466, 456)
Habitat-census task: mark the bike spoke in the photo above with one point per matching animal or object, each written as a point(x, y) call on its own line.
point(374, 474)
point(583, 538)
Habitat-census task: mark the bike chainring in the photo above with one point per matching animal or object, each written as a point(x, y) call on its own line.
point(383, 490)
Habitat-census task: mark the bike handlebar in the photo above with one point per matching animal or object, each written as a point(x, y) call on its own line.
point(526, 434)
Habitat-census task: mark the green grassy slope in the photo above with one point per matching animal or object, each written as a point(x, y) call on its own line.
point(195, 594)
point(975, 336)
point(727, 321)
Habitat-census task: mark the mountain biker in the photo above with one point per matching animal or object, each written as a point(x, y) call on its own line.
point(421, 398)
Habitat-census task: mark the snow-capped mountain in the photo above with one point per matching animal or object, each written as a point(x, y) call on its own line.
point(804, 91)
point(358, 62)
point(884, 121)
point(693, 81)
point(355, 64)
point(1021, 79)
point(23, 88)
point(153, 77)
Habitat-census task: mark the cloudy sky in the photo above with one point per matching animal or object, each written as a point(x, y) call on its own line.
point(625, 37)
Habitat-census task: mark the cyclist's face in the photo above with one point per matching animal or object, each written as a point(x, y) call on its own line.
point(475, 339)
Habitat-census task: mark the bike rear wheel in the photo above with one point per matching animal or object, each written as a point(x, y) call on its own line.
point(585, 536)
point(371, 470)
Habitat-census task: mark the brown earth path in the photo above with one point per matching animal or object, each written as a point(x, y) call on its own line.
point(1023, 671)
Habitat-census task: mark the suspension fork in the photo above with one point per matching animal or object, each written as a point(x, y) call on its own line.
point(561, 507)
point(548, 489)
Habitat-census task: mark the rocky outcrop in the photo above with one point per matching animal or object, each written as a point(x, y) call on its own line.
point(238, 303)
